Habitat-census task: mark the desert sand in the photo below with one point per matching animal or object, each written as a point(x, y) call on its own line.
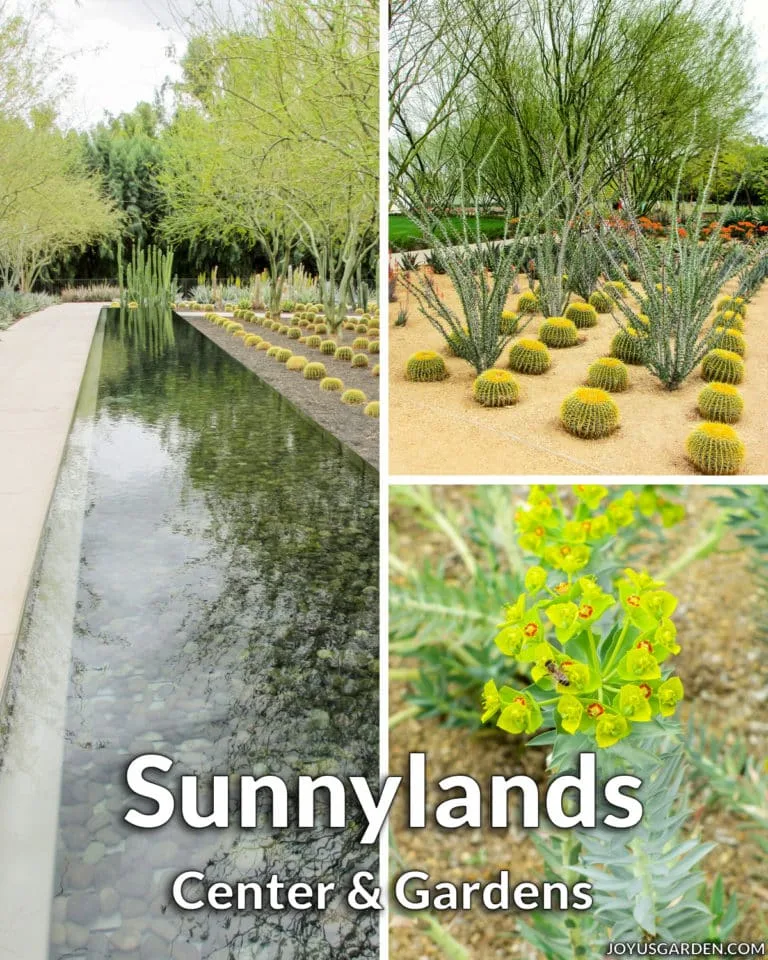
point(438, 429)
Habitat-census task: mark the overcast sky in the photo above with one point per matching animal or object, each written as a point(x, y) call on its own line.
point(123, 52)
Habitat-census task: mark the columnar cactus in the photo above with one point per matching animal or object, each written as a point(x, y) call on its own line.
point(509, 322)
point(724, 366)
point(731, 339)
point(529, 356)
point(496, 388)
point(425, 366)
point(528, 302)
point(296, 363)
point(601, 302)
point(353, 398)
point(589, 413)
point(331, 384)
point(721, 402)
point(314, 371)
point(583, 315)
point(627, 345)
point(715, 448)
point(372, 409)
point(608, 373)
point(559, 332)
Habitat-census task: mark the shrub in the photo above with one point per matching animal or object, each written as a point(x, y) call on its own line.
point(327, 347)
point(344, 353)
point(558, 332)
point(332, 384)
point(360, 343)
point(496, 388)
point(715, 448)
point(731, 339)
point(509, 322)
point(583, 315)
point(608, 373)
point(296, 363)
point(529, 356)
point(425, 366)
point(724, 366)
point(353, 397)
point(372, 409)
point(528, 302)
point(95, 293)
point(283, 355)
point(628, 346)
point(601, 302)
point(721, 402)
point(314, 371)
point(589, 413)
point(360, 360)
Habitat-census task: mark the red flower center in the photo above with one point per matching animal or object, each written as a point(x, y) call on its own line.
point(646, 690)
point(531, 629)
point(587, 525)
point(595, 710)
point(562, 588)
point(645, 645)
point(585, 611)
point(564, 551)
point(539, 531)
point(633, 600)
point(521, 701)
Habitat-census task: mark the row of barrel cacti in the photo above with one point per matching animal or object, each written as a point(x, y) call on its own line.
point(714, 447)
point(311, 370)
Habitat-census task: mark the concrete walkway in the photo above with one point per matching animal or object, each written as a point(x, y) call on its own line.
point(42, 360)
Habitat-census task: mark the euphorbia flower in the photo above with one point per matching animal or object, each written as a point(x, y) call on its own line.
point(520, 628)
point(669, 695)
point(491, 701)
point(610, 728)
point(632, 703)
point(522, 715)
point(535, 578)
point(591, 494)
point(570, 711)
point(568, 558)
point(640, 663)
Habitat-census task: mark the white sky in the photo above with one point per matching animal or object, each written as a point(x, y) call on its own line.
point(122, 52)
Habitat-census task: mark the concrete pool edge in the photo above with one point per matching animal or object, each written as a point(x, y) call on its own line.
point(42, 362)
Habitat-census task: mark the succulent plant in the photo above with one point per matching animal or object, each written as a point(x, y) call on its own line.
point(615, 289)
point(353, 397)
point(589, 413)
point(315, 342)
point(529, 356)
point(608, 373)
point(372, 409)
point(239, 333)
point(283, 328)
point(627, 345)
point(273, 351)
point(721, 402)
point(374, 346)
point(453, 341)
point(360, 360)
point(731, 339)
point(344, 353)
point(528, 302)
point(375, 370)
point(715, 448)
point(729, 318)
point(737, 304)
point(425, 366)
point(314, 371)
point(332, 384)
point(349, 325)
point(583, 315)
point(360, 343)
point(496, 388)
point(302, 323)
point(264, 345)
point(296, 363)
point(327, 347)
point(724, 366)
point(558, 332)
point(601, 302)
point(509, 322)
point(252, 339)
point(283, 355)
point(321, 328)
point(361, 328)
point(374, 323)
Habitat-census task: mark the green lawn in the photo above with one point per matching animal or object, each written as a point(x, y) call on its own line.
point(405, 235)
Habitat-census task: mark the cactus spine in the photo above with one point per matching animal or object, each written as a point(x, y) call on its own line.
point(425, 366)
point(496, 388)
point(559, 332)
point(589, 413)
point(529, 356)
point(724, 366)
point(715, 448)
point(721, 402)
point(608, 373)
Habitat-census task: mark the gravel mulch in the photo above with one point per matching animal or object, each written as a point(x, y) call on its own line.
point(348, 424)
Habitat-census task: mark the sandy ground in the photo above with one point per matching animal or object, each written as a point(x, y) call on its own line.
point(727, 681)
point(346, 423)
point(437, 428)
